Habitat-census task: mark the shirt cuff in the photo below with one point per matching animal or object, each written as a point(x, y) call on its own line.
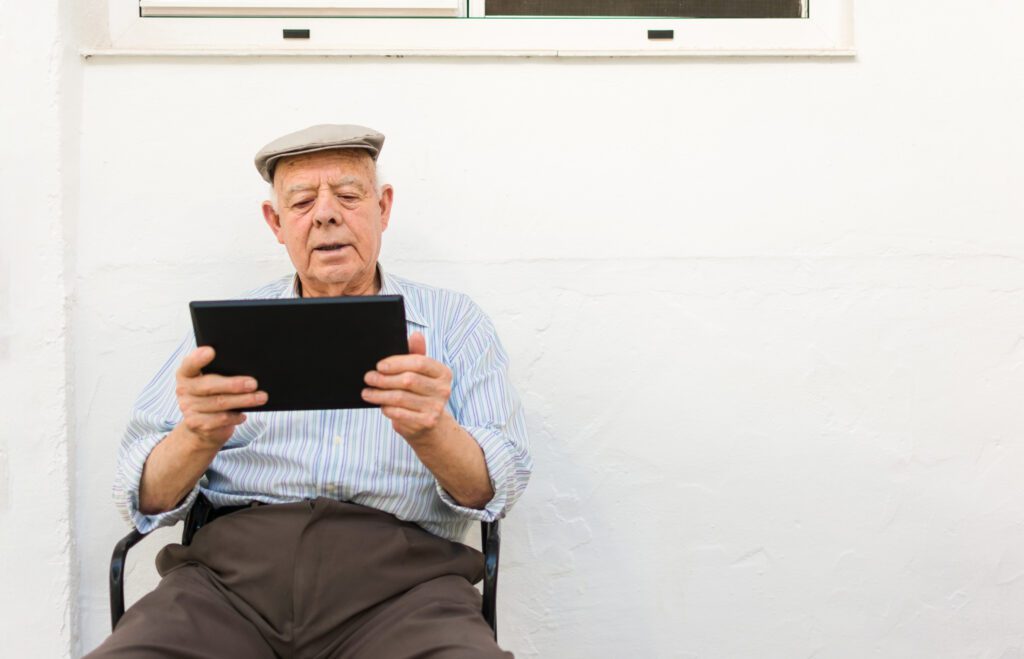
point(500, 468)
point(127, 492)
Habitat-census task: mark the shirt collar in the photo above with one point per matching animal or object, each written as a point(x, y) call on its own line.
point(391, 286)
point(388, 286)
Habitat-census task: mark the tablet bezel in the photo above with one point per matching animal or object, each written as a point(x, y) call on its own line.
point(373, 326)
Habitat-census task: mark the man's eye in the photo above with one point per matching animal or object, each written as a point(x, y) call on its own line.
point(302, 203)
point(348, 197)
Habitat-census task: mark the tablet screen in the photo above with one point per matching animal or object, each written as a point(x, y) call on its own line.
point(306, 353)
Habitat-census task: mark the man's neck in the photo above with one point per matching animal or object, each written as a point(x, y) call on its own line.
point(309, 291)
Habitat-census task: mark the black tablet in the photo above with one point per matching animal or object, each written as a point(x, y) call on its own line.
point(306, 353)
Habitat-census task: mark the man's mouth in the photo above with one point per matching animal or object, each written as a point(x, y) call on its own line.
point(330, 247)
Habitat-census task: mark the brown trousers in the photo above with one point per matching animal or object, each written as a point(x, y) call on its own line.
point(318, 579)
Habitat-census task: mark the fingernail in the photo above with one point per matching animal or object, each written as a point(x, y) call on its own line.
point(366, 392)
point(261, 397)
point(250, 384)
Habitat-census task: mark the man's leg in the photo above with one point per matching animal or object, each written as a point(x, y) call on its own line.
point(186, 617)
point(370, 586)
point(439, 619)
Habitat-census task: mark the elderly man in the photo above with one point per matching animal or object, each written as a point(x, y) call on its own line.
point(336, 532)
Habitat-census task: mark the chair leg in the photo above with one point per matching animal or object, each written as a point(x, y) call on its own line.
point(117, 563)
point(491, 542)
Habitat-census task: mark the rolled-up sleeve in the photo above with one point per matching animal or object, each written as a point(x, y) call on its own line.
point(154, 414)
point(486, 405)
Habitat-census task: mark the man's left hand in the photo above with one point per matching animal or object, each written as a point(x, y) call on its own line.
point(412, 391)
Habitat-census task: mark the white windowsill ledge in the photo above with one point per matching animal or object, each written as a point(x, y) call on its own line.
point(89, 53)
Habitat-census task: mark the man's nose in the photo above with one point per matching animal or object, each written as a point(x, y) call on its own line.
point(326, 211)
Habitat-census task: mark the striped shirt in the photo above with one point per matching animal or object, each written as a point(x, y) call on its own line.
point(352, 455)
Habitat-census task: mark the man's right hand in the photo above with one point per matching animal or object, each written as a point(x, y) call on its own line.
point(208, 401)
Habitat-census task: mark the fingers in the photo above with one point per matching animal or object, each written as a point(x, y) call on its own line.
point(410, 381)
point(224, 402)
point(417, 344)
point(401, 416)
point(399, 398)
point(213, 427)
point(411, 424)
point(209, 403)
point(411, 390)
point(193, 363)
point(192, 383)
point(214, 422)
point(212, 384)
point(417, 363)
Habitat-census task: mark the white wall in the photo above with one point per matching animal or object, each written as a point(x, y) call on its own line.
point(39, 107)
point(766, 316)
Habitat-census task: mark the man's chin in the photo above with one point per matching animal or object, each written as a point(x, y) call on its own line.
point(336, 280)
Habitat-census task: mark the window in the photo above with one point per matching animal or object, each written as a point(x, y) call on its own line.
point(562, 28)
point(477, 8)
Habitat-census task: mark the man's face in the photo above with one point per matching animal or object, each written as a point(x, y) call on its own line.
point(330, 219)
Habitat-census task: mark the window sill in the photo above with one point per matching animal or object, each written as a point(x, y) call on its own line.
point(90, 53)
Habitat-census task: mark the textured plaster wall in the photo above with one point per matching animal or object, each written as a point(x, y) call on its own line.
point(765, 316)
point(39, 106)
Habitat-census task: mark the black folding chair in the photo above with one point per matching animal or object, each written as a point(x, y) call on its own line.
point(490, 535)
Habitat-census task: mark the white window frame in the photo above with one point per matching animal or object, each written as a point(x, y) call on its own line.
point(827, 32)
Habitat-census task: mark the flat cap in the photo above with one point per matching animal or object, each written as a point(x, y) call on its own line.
point(323, 137)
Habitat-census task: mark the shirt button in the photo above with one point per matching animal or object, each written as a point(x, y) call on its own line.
point(337, 439)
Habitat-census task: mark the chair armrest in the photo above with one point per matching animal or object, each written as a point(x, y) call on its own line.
point(117, 563)
point(490, 541)
point(197, 516)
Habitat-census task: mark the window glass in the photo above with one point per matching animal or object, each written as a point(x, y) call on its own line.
point(648, 8)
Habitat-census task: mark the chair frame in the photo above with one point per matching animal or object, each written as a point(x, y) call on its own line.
point(490, 542)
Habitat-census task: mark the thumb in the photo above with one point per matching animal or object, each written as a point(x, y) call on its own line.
point(192, 365)
point(417, 344)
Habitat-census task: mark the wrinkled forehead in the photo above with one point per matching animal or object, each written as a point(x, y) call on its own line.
point(352, 165)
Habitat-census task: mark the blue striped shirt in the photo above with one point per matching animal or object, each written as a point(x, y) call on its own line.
point(351, 455)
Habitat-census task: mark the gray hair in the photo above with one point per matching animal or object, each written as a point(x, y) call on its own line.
point(378, 185)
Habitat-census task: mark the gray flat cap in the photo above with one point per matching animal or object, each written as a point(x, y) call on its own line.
point(317, 138)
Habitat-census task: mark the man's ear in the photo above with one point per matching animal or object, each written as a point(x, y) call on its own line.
point(273, 220)
point(386, 199)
